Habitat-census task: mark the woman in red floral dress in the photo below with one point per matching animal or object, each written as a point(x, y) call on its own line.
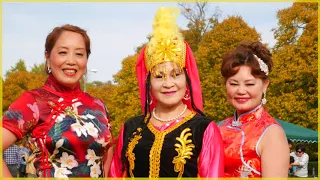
point(255, 144)
point(70, 128)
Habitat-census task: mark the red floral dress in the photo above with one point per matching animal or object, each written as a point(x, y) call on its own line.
point(241, 139)
point(70, 129)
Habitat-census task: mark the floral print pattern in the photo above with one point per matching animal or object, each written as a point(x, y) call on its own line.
point(71, 129)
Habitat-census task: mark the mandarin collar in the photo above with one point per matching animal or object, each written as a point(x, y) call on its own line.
point(54, 86)
point(247, 116)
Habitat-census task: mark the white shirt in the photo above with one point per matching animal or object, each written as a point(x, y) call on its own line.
point(302, 169)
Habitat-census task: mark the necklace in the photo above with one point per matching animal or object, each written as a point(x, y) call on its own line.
point(168, 120)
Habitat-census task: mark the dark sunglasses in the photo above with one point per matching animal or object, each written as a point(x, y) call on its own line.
point(299, 151)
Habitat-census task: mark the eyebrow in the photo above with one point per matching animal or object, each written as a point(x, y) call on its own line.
point(248, 80)
point(160, 70)
point(64, 47)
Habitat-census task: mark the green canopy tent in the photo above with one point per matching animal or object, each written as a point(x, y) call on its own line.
point(298, 133)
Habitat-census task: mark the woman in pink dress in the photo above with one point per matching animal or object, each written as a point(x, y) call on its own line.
point(71, 129)
point(173, 138)
point(255, 144)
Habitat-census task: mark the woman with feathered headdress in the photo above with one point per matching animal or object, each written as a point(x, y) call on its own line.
point(173, 138)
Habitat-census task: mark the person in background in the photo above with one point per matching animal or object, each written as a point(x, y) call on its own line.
point(301, 160)
point(172, 138)
point(292, 169)
point(290, 145)
point(30, 160)
point(24, 152)
point(12, 159)
point(255, 143)
point(70, 127)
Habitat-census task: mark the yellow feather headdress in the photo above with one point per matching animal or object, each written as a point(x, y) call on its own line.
point(166, 43)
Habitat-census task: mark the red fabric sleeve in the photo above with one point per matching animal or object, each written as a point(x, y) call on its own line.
point(115, 167)
point(211, 160)
point(22, 115)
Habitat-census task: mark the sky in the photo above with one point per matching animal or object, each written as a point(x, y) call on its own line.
point(115, 29)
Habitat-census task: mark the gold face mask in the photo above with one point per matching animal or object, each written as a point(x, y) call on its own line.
point(161, 70)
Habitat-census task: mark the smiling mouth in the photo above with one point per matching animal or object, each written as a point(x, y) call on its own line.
point(169, 93)
point(70, 71)
point(242, 100)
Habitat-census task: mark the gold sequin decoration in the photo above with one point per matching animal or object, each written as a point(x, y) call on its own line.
point(162, 71)
point(129, 153)
point(184, 150)
point(166, 51)
point(155, 152)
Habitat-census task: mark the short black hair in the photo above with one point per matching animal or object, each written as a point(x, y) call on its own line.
point(289, 141)
point(301, 147)
point(291, 159)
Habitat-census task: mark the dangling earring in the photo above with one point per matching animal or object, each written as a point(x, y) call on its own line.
point(49, 70)
point(264, 100)
point(186, 96)
point(150, 101)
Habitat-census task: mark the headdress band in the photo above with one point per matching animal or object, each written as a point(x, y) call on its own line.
point(167, 51)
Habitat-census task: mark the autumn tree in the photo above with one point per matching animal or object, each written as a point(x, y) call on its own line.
point(293, 92)
point(200, 21)
point(18, 80)
point(125, 101)
point(224, 37)
point(19, 66)
point(39, 69)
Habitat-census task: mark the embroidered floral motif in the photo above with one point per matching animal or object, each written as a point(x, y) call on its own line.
point(34, 108)
point(95, 170)
point(244, 171)
point(91, 157)
point(68, 161)
point(184, 150)
point(53, 139)
point(81, 127)
point(95, 161)
point(92, 131)
point(60, 172)
point(129, 153)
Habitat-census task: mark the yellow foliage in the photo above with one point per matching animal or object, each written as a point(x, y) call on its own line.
point(293, 94)
point(125, 101)
point(18, 82)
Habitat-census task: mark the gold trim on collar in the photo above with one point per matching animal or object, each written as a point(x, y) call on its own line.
point(155, 152)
